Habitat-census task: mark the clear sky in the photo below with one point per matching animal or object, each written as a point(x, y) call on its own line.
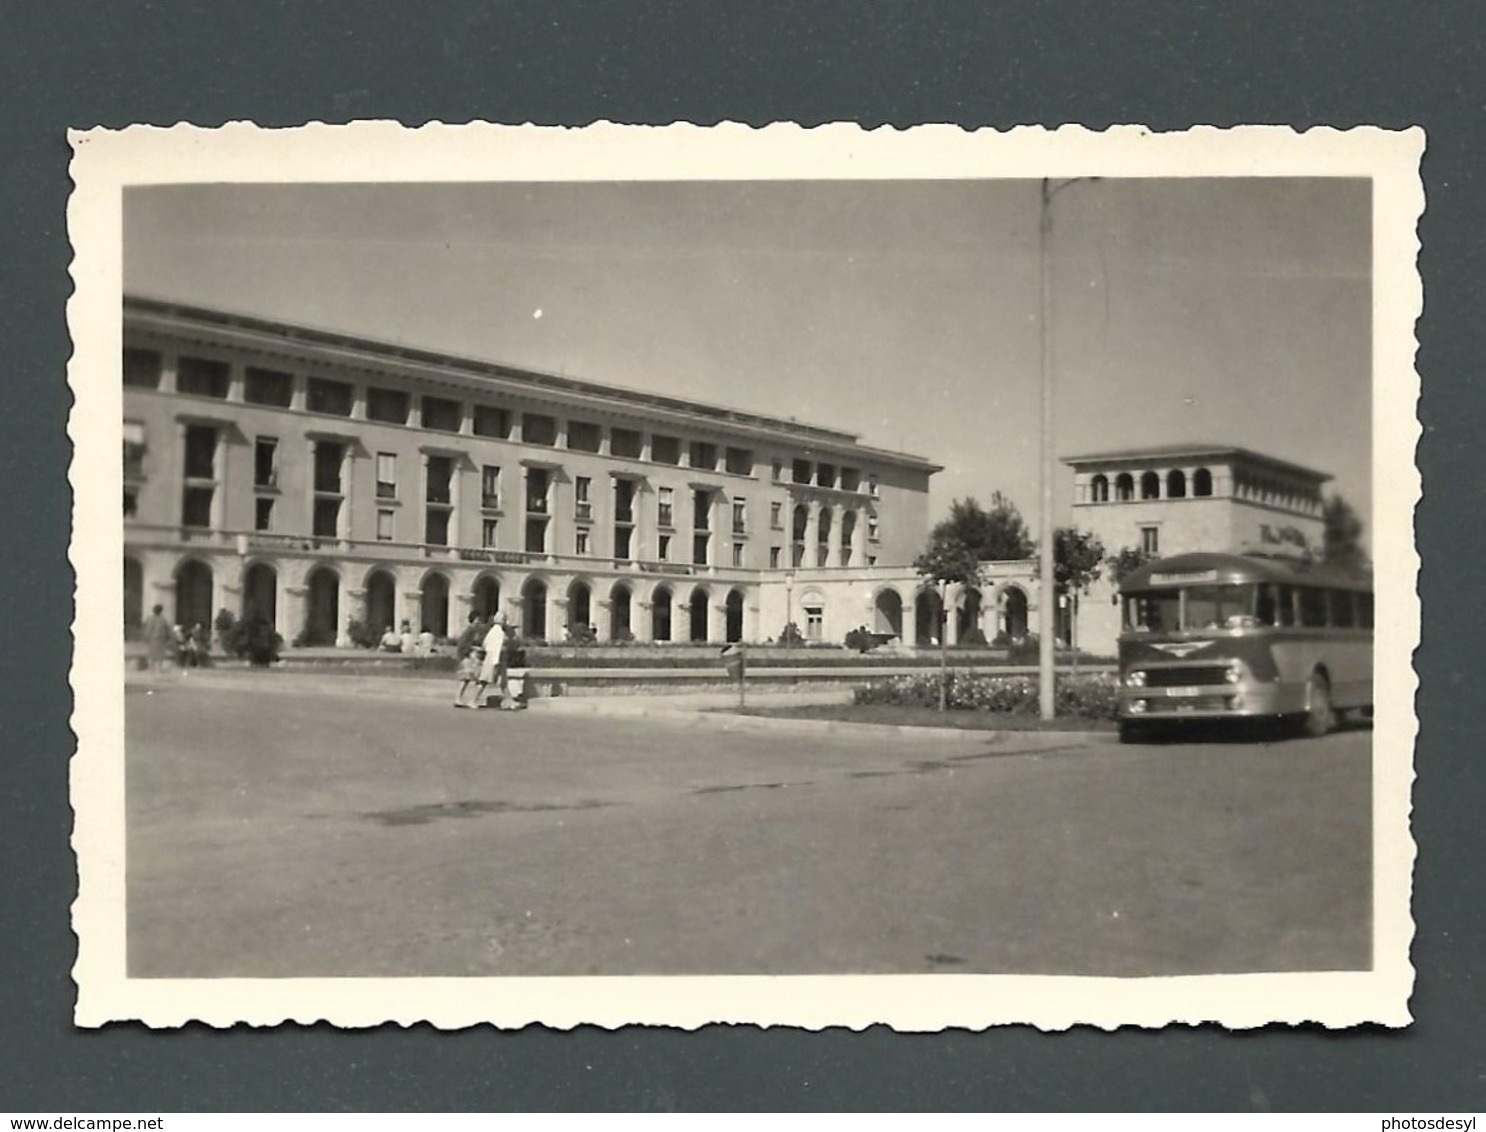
point(1229, 311)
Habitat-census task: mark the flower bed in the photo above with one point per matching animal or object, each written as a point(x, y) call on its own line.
point(1083, 697)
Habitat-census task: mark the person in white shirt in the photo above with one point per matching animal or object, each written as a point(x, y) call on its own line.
point(493, 667)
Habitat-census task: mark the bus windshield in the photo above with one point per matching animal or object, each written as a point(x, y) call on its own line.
point(1200, 607)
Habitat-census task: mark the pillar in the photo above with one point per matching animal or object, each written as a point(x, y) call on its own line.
point(291, 613)
point(833, 539)
point(717, 629)
point(640, 624)
point(812, 533)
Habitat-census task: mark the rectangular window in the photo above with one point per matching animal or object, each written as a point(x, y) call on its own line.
point(201, 452)
point(440, 480)
point(202, 377)
point(699, 545)
point(266, 462)
point(537, 483)
point(825, 475)
point(134, 450)
point(815, 618)
point(624, 501)
point(851, 479)
point(800, 471)
point(1150, 540)
point(142, 368)
point(737, 554)
point(1343, 609)
point(665, 449)
point(774, 553)
point(1285, 606)
point(738, 461)
point(327, 518)
point(1312, 606)
point(663, 548)
point(196, 507)
point(538, 428)
point(328, 459)
point(626, 443)
point(436, 526)
point(1364, 610)
point(442, 415)
point(490, 486)
point(703, 455)
point(872, 531)
point(776, 516)
point(487, 532)
point(664, 508)
point(263, 513)
point(776, 470)
point(872, 485)
point(268, 387)
point(580, 541)
point(385, 520)
point(333, 398)
point(536, 535)
point(584, 437)
point(622, 537)
point(491, 421)
point(740, 516)
point(582, 497)
point(131, 502)
point(387, 405)
point(701, 510)
point(386, 475)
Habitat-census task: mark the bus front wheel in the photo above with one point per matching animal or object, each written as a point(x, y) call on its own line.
point(1320, 716)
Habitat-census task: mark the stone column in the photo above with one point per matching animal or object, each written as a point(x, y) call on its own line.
point(557, 617)
point(291, 612)
point(833, 538)
point(412, 611)
point(680, 618)
point(718, 629)
point(812, 533)
point(951, 613)
point(603, 618)
point(751, 617)
point(640, 626)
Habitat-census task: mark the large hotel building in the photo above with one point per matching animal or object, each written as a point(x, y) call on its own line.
point(318, 479)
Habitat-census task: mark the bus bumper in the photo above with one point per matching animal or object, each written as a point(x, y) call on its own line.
point(1212, 701)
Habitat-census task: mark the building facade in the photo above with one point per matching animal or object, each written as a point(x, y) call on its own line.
point(318, 479)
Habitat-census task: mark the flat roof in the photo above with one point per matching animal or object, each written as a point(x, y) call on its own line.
point(1165, 453)
point(536, 380)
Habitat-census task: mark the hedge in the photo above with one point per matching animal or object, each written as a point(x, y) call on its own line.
point(1084, 697)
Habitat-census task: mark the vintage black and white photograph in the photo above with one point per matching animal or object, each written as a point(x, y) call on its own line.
point(811, 577)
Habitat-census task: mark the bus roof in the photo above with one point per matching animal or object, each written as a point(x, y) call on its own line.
point(1205, 566)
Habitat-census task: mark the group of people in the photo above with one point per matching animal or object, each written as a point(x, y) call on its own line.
point(403, 641)
point(484, 652)
point(167, 644)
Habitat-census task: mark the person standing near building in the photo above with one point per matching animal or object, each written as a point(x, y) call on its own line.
point(493, 667)
point(157, 637)
point(469, 652)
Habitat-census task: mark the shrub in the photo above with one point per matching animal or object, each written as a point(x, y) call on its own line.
point(973, 638)
point(1083, 697)
point(223, 623)
point(791, 635)
point(623, 637)
point(254, 640)
point(583, 635)
point(860, 640)
point(362, 635)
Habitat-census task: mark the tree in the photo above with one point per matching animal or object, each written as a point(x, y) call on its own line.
point(1125, 563)
point(995, 535)
point(1343, 539)
point(1078, 557)
point(948, 559)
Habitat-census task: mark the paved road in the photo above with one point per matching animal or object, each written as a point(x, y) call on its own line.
point(278, 834)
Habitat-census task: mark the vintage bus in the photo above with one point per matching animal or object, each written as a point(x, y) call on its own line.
point(1229, 636)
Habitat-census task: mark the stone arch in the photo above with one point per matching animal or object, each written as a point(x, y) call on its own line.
point(485, 596)
point(661, 601)
point(1124, 487)
point(322, 605)
point(580, 606)
point(193, 593)
point(1202, 482)
point(926, 610)
point(1099, 488)
point(1176, 484)
point(534, 608)
point(887, 612)
point(967, 614)
point(1014, 606)
point(1150, 485)
point(381, 600)
point(733, 606)
point(133, 597)
point(848, 536)
point(621, 612)
point(433, 604)
point(260, 595)
point(698, 610)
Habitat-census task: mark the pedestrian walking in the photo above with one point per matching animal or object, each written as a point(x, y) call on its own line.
point(493, 666)
point(470, 652)
point(157, 638)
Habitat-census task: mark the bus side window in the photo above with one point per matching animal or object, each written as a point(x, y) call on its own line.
point(1285, 605)
point(1264, 605)
point(1343, 616)
point(1312, 607)
point(1364, 610)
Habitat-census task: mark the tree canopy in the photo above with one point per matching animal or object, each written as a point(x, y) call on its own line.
point(997, 534)
point(948, 558)
point(1077, 559)
point(1127, 561)
point(1343, 538)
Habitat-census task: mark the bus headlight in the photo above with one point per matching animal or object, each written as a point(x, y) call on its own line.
point(1135, 679)
point(1233, 674)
